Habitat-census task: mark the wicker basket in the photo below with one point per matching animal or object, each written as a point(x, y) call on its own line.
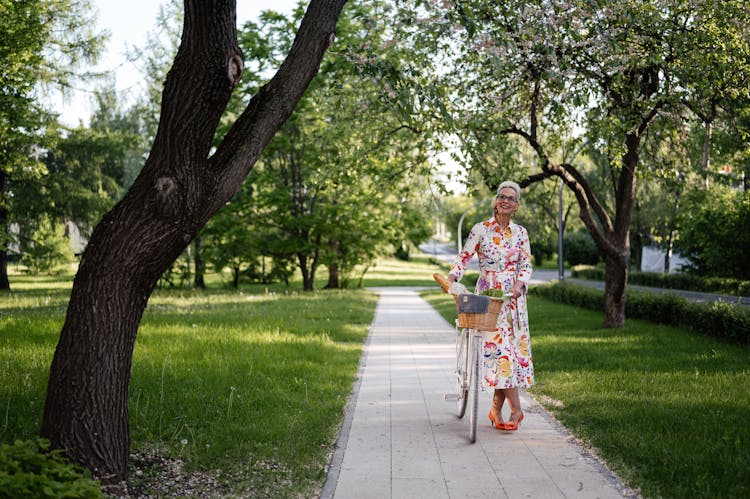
point(481, 322)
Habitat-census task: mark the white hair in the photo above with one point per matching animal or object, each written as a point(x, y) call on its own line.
point(509, 184)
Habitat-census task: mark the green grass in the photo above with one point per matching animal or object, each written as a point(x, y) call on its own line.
point(247, 384)
point(416, 272)
point(666, 408)
point(251, 383)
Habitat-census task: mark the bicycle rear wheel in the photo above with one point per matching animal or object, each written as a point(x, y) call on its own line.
point(462, 372)
point(473, 393)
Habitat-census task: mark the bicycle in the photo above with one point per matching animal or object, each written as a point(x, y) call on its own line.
point(468, 356)
point(469, 353)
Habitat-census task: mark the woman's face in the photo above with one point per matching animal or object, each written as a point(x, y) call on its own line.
point(505, 203)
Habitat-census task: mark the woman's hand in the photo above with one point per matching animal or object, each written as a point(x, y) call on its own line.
point(517, 289)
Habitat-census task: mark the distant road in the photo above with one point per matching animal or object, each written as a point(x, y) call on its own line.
point(447, 252)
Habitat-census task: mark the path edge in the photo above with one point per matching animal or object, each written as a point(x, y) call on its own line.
point(333, 469)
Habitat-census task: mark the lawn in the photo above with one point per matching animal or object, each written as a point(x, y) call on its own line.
point(242, 387)
point(247, 386)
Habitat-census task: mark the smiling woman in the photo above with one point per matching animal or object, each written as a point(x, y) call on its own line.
point(503, 250)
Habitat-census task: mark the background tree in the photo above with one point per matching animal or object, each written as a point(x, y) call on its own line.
point(714, 75)
point(332, 186)
point(234, 241)
point(183, 183)
point(714, 232)
point(48, 250)
point(42, 45)
point(127, 129)
point(84, 168)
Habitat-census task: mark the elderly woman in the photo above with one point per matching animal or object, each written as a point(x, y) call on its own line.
point(504, 254)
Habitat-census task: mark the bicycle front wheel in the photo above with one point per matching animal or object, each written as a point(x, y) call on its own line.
point(462, 372)
point(476, 358)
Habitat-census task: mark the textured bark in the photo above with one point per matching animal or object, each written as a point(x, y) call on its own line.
point(615, 283)
point(178, 190)
point(617, 256)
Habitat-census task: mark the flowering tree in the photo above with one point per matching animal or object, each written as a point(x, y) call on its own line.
point(547, 75)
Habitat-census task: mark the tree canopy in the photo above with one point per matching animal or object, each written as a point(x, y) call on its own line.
point(547, 76)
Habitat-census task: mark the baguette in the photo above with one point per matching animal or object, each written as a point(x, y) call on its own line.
point(445, 284)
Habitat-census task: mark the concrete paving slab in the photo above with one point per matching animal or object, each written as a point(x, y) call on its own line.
point(401, 439)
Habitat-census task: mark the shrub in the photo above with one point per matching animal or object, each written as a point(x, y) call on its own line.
point(542, 249)
point(30, 469)
point(679, 280)
point(402, 253)
point(587, 272)
point(719, 319)
point(662, 309)
point(713, 232)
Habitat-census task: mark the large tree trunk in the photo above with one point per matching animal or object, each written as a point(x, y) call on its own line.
point(179, 189)
point(615, 285)
point(617, 258)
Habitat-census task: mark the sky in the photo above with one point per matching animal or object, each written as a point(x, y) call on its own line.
point(128, 23)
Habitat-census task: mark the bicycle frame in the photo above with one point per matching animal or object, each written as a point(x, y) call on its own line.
point(468, 357)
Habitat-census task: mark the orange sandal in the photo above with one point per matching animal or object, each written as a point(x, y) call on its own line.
point(513, 425)
point(499, 425)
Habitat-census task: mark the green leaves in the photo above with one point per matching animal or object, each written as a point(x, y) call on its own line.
point(32, 469)
point(714, 233)
point(42, 43)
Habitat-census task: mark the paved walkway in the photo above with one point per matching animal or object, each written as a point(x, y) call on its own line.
point(401, 439)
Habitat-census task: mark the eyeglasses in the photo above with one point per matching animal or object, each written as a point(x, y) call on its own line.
point(503, 197)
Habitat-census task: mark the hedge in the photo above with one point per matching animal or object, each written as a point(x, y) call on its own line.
point(679, 280)
point(719, 319)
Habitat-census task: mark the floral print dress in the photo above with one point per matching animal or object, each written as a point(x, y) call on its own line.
point(504, 258)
